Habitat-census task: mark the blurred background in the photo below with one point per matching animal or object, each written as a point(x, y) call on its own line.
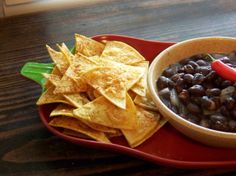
point(17, 7)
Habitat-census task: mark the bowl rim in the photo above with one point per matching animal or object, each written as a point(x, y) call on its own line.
point(175, 117)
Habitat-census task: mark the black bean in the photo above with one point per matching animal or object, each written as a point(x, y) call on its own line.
point(174, 109)
point(226, 83)
point(225, 59)
point(232, 125)
point(224, 111)
point(181, 70)
point(205, 123)
point(233, 114)
point(193, 108)
point(189, 69)
point(162, 82)
point(208, 85)
point(234, 95)
point(178, 88)
point(210, 76)
point(218, 118)
point(176, 76)
point(184, 96)
point(217, 101)
point(201, 62)
point(184, 61)
point(229, 103)
point(218, 81)
point(168, 72)
point(197, 90)
point(188, 78)
point(196, 100)
point(203, 69)
point(219, 122)
point(171, 83)
point(208, 104)
point(198, 78)
point(193, 118)
point(193, 64)
point(213, 92)
point(230, 65)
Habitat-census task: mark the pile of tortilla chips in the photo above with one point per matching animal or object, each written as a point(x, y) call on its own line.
point(101, 92)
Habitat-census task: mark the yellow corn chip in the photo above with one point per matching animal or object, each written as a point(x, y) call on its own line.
point(76, 99)
point(59, 59)
point(75, 125)
point(121, 52)
point(67, 85)
point(55, 71)
point(140, 87)
point(62, 110)
point(116, 134)
point(107, 82)
point(49, 97)
point(87, 46)
point(148, 124)
point(65, 110)
point(146, 102)
point(131, 74)
point(113, 82)
point(101, 111)
point(64, 49)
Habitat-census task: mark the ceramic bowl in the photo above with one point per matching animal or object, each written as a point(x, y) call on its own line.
point(174, 54)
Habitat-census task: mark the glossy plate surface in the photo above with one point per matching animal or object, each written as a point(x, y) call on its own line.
point(167, 146)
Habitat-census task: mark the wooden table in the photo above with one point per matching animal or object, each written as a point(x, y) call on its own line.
point(26, 147)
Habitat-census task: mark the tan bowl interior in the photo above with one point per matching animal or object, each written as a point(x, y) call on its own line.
point(174, 54)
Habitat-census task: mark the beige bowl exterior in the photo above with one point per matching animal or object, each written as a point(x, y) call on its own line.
point(174, 54)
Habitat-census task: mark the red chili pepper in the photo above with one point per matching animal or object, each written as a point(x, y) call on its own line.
point(224, 70)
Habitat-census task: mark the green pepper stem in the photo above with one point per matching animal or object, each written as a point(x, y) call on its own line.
point(211, 57)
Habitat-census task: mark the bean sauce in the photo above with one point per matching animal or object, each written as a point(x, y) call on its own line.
point(193, 90)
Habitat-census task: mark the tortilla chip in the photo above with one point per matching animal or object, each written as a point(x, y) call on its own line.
point(67, 53)
point(96, 93)
point(113, 82)
point(116, 134)
point(141, 86)
point(105, 81)
point(146, 102)
point(59, 59)
point(99, 127)
point(49, 97)
point(75, 125)
point(67, 111)
point(101, 111)
point(67, 85)
point(131, 74)
point(55, 71)
point(148, 124)
point(87, 46)
point(54, 79)
point(121, 52)
point(62, 110)
point(76, 99)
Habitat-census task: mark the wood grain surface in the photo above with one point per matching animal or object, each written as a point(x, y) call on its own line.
point(26, 147)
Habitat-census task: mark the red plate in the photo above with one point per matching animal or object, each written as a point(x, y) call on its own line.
point(167, 146)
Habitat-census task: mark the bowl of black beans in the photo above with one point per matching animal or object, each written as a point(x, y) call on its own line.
point(193, 84)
